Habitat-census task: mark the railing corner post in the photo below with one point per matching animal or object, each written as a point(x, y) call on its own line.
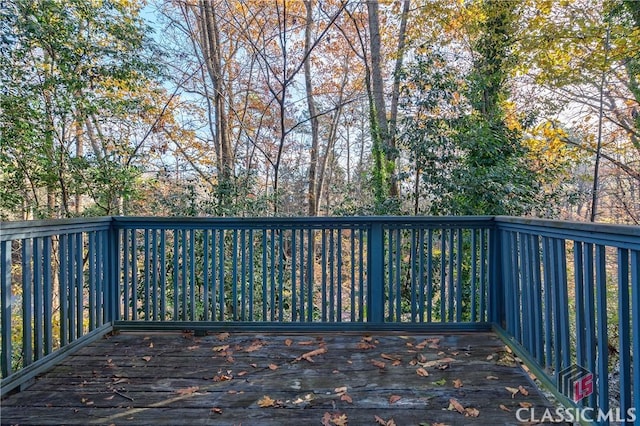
point(375, 305)
point(496, 311)
point(113, 267)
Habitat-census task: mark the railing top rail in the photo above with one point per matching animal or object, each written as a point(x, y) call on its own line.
point(15, 230)
point(599, 233)
point(300, 222)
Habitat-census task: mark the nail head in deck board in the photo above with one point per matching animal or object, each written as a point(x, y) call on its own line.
point(110, 382)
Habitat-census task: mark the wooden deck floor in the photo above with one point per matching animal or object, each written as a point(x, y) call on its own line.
point(266, 379)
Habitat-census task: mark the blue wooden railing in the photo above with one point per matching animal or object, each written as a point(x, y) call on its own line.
point(563, 295)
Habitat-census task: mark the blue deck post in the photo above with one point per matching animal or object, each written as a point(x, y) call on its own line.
point(375, 274)
point(495, 308)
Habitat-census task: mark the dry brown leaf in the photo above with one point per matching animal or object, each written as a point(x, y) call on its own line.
point(266, 402)
point(346, 398)
point(341, 390)
point(489, 357)
point(306, 343)
point(223, 336)
point(390, 357)
point(242, 373)
point(513, 391)
point(146, 358)
point(457, 383)
point(187, 391)
point(455, 405)
point(471, 412)
point(254, 347)
point(288, 342)
point(273, 367)
point(492, 378)
point(396, 363)
point(216, 410)
point(365, 345)
point(326, 419)
point(151, 345)
point(192, 348)
point(422, 372)
point(309, 355)
point(523, 391)
point(340, 420)
point(379, 420)
point(525, 404)
point(220, 348)
point(505, 408)
point(394, 398)
point(377, 363)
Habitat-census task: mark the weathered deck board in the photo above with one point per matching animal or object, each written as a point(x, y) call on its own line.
point(172, 378)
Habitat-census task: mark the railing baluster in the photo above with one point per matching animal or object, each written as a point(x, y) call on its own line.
point(450, 267)
point(163, 274)
point(578, 267)
point(635, 306)
point(221, 275)
point(430, 275)
point(147, 267)
point(134, 275)
point(37, 298)
point(421, 286)
point(47, 291)
point(80, 283)
point(63, 290)
point(443, 274)
point(176, 272)
point(398, 275)
point(294, 285)
point(234, 275)
point(339, 275)
point(603, 338)
point(251, 274)
point(332, 290)
point(624, 319)
point(154, 275)
point(6, 307)
point(192, 275)
point(591, 313)
point(323, 268)
point(458, 275)
point(361, 276)
point(27, 311)
point(353, 257)
point(310, 275)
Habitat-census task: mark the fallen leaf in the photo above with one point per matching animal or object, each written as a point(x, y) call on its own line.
point(273, 367)
point(346, 398)
point(266, 402)
point(379, 420)
point(241, 373)
point(223, 336)
point(422, 372)
point(146, 358)
point(365, 345)
point(457, 383)
point(192, 348)
point(471, 412)
point(187, 391)
point(341, 390)
point(254, 346)
point(389, 357)
point(489, 357)
point(288, 342)
point(377, 363)
point(326, 419)
point(340, 420)
point(513, 391)
point(216, 410)
point(525, 404)
point(455, 405)
point(309, 355)
point(523, 390)
point(151, 345)
point(394, 398)
point(254, 365)
point(492, 378)
point(440, 382)
point(220, 348)
point(306, 343)
point(505, 408)
point(443, 367)
point(396, 363)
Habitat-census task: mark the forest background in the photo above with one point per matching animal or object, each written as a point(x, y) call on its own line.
point(314, 108)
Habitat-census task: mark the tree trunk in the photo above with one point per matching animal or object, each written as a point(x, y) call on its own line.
point(313, 206)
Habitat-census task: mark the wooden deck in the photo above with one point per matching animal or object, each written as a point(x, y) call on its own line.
point(269, 379)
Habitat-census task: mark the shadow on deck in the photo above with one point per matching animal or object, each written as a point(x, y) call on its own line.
point(266, 379)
